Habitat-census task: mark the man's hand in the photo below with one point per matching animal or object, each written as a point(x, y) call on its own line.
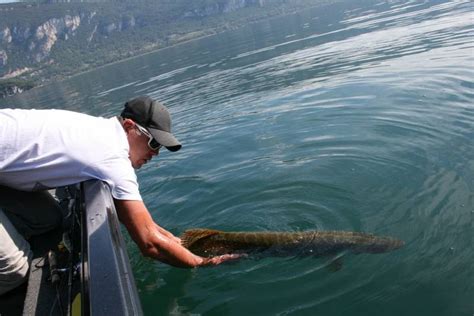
point(156, 242)
point(195, 261)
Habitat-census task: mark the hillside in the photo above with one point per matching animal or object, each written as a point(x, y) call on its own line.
point(40, 42)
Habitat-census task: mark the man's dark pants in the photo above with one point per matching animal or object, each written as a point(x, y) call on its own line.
point(22, 216)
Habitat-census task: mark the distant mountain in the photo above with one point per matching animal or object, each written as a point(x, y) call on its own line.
point(46, 40)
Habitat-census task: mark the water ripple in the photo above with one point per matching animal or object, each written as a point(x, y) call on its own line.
point(349, 117)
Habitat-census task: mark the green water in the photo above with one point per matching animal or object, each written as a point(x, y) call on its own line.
point(353, 116)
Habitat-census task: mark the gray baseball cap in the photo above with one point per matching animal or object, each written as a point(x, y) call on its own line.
point(153, 116)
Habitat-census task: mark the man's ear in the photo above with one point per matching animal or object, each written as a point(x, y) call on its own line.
point(128, 125)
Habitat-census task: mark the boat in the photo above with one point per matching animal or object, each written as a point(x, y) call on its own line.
point(82, 268)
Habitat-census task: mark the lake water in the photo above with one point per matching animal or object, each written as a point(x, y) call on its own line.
point(354, 116)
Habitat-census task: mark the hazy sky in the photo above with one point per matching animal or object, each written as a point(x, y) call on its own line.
point(7, 1)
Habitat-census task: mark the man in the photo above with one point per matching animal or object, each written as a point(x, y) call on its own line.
point(43, 149)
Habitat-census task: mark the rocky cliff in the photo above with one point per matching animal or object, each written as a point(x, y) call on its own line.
point(25, 44)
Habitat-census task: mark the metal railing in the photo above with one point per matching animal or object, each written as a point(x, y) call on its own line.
point(108, 285)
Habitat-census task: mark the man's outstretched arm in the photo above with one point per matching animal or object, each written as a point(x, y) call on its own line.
point(156, 242)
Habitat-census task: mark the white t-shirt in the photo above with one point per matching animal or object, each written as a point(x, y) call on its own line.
point(41, 149)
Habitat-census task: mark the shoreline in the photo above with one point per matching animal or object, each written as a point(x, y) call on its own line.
point(67, 77)
point(212, 32)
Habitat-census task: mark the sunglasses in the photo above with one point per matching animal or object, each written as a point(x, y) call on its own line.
point(152, 143)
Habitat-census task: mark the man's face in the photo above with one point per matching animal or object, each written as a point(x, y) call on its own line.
point(139, 153)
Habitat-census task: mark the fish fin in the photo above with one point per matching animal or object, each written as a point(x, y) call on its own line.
point(335, 264)
point(190, 236)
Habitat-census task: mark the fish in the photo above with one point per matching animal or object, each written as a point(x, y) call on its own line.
point(209, 243)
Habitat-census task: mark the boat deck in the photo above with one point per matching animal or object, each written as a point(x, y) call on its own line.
point(38, 295)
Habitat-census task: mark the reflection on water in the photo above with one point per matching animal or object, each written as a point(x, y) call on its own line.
point(350, 116)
